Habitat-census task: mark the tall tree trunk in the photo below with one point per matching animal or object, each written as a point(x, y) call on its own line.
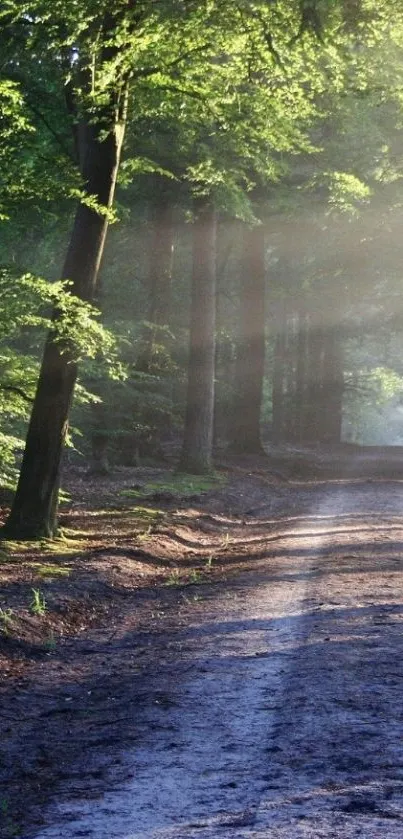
point(333, 387)
point(290, 419)
point(301, 374)
point(100, 440)
point(196, 457)
point(34, 510)
point(159, 276)
point(161, 260)
point(278, 382)
point(251, 345)
point(314, 412)
point(159, 288)
point(227, 237)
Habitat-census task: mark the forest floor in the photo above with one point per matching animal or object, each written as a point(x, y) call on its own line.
point(209, 660)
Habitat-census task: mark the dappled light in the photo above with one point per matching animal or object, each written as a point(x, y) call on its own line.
point(201, 419)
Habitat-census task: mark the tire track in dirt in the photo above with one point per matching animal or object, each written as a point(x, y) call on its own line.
point(203, 761)
point(336, 768)
point(278, 718)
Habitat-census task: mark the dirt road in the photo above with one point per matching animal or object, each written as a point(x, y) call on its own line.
point(273, 706)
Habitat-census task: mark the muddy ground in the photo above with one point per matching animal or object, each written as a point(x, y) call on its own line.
point(221, 662)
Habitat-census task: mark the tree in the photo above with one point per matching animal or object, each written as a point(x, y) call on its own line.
point(99, 133)
point(250, 352)
point(198, 432)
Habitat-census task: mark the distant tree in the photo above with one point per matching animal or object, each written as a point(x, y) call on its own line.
point(250, 346)
point(198, 433)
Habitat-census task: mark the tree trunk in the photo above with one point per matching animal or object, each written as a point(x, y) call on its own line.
point(159, 277)
point(161, 260)
point(333, 387)
point(100, 439)
point(290, 419)
point(278, 382)
point(314, 412)
point(301, 374)
point(251, 345)
point(34, 510)
point(196, 457)
point(159, 290)
point(227, 237)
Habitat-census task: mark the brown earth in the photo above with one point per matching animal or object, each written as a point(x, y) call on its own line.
point(94, 628)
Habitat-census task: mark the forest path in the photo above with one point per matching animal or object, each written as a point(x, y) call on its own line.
point(275, 708)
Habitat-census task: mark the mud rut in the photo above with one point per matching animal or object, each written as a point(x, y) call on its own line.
point(278, 708)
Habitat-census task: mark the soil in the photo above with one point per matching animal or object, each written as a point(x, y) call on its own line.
point(217, 663)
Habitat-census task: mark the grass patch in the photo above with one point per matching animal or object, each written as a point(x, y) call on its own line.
point(177, 485)
point(174, 578)
point(69, 534)
point(120, 513)
point(194, 577)
point(52, 571)
point(6, 619)
point(63, 544)
point(146, 513)
point(37, 605)
point(59, 545)
point(14, 547)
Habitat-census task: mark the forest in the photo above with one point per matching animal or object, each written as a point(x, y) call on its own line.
point(200, 290)
point(250, 285)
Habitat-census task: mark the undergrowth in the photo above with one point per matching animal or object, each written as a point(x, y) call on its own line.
point(177, 485)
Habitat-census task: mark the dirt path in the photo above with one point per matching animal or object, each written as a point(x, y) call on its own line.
point(273, 706)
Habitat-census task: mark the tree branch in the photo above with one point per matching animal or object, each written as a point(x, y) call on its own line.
point(144, 72)
point(17, 390)
point(66, 151)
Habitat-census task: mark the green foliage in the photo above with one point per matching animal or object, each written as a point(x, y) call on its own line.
point(137, 407)
point(26, 305)
point(346, 191)
point(373, 412)
point(179, 484)
point(298, 103)
point(6, 620)
point(386, 382)
point(52, 571)
point(38, 603)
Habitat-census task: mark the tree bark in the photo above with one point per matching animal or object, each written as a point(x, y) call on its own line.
point(34, 510)
point(159, 276)
point(161, 260)
point(314, 412)
point(278, 381)
point(333, 387)
point(196, 457)
point(227, 238)
point(251, 345)
point(100, 439)
point(301, 374)
point(291, 418)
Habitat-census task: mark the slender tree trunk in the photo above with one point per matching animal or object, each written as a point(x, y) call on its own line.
point(301, 374)
point(291, 418)
point(278, 382)
point(159, 288)
point(314, 412)
point(196, 457)
point(34, 510)
point(100, 439)
point(161, 260)
point(251, 345)
point(227, 236)
point(333, 387)
point(159, 276)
